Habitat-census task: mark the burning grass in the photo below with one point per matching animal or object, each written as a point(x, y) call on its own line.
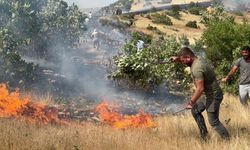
point(14, 105)
point(108, 113)
point(171, 132)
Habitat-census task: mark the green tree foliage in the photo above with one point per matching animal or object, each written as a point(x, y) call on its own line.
point(33, 28)
point(144, 67)
point(215, 14)
point(123, 3)
point(195, 9)
point(223, 39)
point(13, 69)
point(174, 12)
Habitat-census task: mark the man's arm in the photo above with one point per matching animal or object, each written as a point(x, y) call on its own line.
point(174, 59)
point(198, 91)
point(230, 74)
point(199, 84)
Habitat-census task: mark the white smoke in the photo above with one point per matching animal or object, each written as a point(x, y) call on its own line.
point(237, 5)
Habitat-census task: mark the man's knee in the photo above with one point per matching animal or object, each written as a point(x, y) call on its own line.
point(213, 120)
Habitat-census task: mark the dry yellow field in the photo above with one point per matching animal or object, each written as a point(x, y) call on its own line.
point(142, 4)
point(172, 133)
point(178, 28)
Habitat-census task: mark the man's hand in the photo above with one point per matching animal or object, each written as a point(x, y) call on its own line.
point(224, 79)
point(174, 59)
point(190, 105)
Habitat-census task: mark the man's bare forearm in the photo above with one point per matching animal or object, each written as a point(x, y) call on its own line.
point(231, 72)
point(197, 94)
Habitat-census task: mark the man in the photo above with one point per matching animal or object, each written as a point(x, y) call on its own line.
point(95, 37)
point(244, 64)
point(139, 45)
point(205, 81)
point(90, 15)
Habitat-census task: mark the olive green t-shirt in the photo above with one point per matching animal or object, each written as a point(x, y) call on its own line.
point(201, 70)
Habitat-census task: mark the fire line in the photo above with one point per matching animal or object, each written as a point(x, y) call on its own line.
point(109, 114)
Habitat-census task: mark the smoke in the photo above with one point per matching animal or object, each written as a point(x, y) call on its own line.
point(80, 72)
point(236, 5)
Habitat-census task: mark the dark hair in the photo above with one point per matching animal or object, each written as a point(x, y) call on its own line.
point(186, 51)
point(245, 48)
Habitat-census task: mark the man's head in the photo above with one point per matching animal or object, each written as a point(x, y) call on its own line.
point(186, 56)
point(245, 52)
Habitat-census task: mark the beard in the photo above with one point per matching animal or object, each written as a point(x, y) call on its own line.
point(246, 57)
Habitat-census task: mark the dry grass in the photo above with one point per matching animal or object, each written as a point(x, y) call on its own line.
point(178, 28)
point(173, 132)
point(139, 4)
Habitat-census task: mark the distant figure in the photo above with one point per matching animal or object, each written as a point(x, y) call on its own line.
point(139, 45)
point(86, 20)
point(95, 38)
point(90, 15)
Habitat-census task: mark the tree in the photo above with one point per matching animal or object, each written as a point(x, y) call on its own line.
point(224, 40)
point(35, 28)
point(144, 68)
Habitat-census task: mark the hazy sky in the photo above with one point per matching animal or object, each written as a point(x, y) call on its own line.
point(90, 3)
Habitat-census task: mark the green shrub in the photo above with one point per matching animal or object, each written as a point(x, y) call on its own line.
point(175, 8)
point(140, 68)
point(192, 24)
point(161, 18)
point(194, 10)
point(174, 14)
point(239, 13)
point(149, 27)
point(218, 14)
point(155, 29)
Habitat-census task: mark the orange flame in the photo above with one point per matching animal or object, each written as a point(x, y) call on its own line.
point(109, 114)
point(12, 105)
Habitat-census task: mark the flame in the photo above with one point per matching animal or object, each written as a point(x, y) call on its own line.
point(13, 105)
point(109, 114)
point(10, 103)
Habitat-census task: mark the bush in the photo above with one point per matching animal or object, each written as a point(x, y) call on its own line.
point(161, 18)
point(174, 14)
point(155, 29)
point(194, 10)
point(176, 8)
point(216, 14)
point(149, 27)
point(142, 68)
point(238, 13)
point(192, 24)
point(115, 22)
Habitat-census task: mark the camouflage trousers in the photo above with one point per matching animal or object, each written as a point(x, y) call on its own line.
point(212, 106)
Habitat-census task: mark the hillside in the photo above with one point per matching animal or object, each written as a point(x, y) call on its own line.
point(179, 27)
point(147, 4)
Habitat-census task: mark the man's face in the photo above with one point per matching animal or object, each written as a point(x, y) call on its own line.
point(186, 59)
point(245, 54)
